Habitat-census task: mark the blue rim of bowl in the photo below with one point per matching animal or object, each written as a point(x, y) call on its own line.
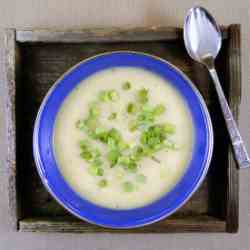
point(106, 218)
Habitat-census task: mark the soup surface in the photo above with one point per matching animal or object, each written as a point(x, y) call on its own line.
point(123, 138)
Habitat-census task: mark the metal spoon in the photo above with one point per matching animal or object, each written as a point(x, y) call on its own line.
point(202, 38)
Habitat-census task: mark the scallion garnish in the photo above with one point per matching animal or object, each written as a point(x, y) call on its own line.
point(103, 183)
point(126, 86)
point(112, 116)
point(153, 136)
point(128, 186)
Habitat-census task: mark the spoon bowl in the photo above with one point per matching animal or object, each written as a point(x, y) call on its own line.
point(202, 35)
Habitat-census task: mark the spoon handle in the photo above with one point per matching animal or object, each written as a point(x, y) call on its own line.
point(239, 148)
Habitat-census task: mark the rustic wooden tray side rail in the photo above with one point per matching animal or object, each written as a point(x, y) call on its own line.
point(35, 59)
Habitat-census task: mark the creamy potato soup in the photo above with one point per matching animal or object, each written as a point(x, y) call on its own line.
point(123, 138)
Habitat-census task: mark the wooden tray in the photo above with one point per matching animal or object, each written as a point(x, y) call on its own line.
point(35, 59)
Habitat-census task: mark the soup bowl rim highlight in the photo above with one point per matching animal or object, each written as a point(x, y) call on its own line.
point(125, 218)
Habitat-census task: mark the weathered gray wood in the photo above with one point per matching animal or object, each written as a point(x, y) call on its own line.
point(157, 33)
point(100, 35)
point(10, 57)
point(186, 224)
point(234, 60)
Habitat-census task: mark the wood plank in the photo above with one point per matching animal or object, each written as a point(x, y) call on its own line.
point(175, 225)
point(234, 100)
point(10, 68)
point(154, 33)
point(100, 35)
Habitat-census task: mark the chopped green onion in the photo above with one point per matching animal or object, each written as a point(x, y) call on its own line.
point(99, 131)
point(128, 162)
point(108, 95)
point(126, 86)
point(80, 124)
point(97, 162)
point(154, 137)
point(128, 186)
point(97, 152)
point(144, 138)
point(138, 152)
point(122, 145)
point(147, 108)
point(103, 137)
point(103, 183)
point(132, 166)
point(115, 134)
point(83, 144)
point(112, 116)
point(155, 159)
point(100, 172)
point(143, 95)
point(148, 151)
point(133, 125)
point(159, 109)
point(131, 108)
point(124, 160)
point(96, 171)
point(103, 96)
point(87, 155)
point(120, 175)
point(111, 143)
point(94, 110)
point(113, 156)
point(146, 117)
point(169, 128)
point(113, 95)
point(93, 170)
point(90, 123)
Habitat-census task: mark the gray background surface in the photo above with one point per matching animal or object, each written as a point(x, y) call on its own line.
point(106, 13)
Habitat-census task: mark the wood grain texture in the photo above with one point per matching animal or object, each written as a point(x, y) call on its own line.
point(10, 68)
point(155, 33)
point(66, 225)
point(234, 73)
point(46, 59)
